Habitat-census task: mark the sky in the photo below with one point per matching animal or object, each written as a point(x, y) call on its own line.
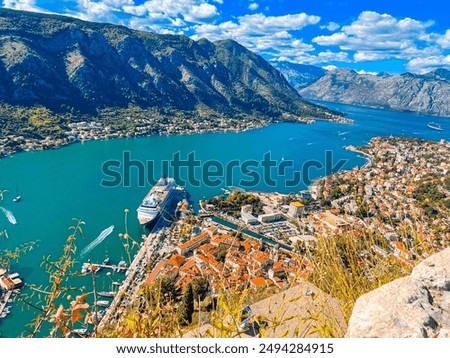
point(394, 36)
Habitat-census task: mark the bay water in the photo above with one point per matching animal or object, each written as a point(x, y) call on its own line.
point(81, 181)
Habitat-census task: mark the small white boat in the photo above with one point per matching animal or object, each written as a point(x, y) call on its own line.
point(103, 303)
point(17, 198)
point(107, 294)
point(122, 266)
point(435, 126)
point(80, 332)
point(85, 268)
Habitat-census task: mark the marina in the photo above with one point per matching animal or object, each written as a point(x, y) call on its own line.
point(120, 267)
point(3, 304)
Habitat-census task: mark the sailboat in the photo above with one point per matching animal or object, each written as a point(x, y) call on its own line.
point(17, 197)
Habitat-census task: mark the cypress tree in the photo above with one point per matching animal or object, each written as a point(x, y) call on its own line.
point(186, 309)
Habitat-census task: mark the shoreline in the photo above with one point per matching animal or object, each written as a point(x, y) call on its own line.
point(354, 149)
point(82, 132)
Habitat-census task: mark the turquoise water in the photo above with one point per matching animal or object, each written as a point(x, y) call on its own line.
point(62, 184)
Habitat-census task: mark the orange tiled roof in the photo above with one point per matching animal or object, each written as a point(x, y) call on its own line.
point(258, 281)
point(261, 257)
point(176, 260)
point(205, 248)
point(194, 241)
point(155, 272)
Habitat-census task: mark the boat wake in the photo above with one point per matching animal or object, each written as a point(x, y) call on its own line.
point(343, 133)
point(103, 235)
point(9, 215)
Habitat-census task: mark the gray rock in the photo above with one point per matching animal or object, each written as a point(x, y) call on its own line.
point(414, 306)
point(434, 272)
point(428, 93)
point(299, 76)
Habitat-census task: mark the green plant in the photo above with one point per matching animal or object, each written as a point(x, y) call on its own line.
point(48, 302)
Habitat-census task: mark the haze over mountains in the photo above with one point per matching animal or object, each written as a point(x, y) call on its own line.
point(73, 66)
point(427, 93)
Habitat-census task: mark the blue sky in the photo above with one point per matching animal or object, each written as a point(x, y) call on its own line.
point(372, 36)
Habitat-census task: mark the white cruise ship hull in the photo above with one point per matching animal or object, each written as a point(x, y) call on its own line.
point(155, 201)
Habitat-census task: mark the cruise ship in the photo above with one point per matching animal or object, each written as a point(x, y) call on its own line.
point(156, 200)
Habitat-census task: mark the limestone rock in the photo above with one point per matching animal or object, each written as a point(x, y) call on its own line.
point(427, 93)
point(414, 306)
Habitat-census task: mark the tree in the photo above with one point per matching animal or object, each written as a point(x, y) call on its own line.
point(169, 291)
point(200, 286)
point(186, 309)
point(222, 254)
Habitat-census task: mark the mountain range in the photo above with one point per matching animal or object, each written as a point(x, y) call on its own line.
point(427, 93)
point(73, 66)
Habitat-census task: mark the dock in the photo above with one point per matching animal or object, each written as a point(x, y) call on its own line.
point(109, 267)
point(5, 300)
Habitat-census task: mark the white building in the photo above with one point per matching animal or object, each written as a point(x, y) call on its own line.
point(296, 209)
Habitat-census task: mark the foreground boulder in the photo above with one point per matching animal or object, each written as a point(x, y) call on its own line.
point(416, 306)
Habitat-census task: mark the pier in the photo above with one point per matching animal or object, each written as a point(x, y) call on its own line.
point(5, 300)
point(109, 267)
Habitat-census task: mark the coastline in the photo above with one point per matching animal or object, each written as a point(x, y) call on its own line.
point(354, 149)
point(81, 132)
point(350, 148)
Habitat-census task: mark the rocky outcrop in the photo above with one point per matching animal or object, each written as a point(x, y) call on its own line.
point(414, 306)
point(428, 93)
point(299, 76)
point(71, 65)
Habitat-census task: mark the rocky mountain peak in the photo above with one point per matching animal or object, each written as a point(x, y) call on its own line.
point(67, 64)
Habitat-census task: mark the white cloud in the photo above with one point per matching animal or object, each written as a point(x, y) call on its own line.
point(444, 40)
point(330, 67)
point(331, 26)
point(362, 72)
point(253, 6)
point(162, 15)
point(26, 5)
point(95, 11)
point(375, 36)
point(330, 56)
point(427, 64)
point(201, 12)
point(267, 35)
point(252, 26)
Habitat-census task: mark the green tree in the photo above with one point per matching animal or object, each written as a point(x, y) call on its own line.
point(222, 254)
point(169, 291)
point(186, 309)
point(200, 286)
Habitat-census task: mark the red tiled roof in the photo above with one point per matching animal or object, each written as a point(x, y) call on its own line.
point(155, 272)
point(194, 241)
point(176, 260)
point(258, 281)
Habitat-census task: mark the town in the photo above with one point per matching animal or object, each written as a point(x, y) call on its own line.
point(124, 127)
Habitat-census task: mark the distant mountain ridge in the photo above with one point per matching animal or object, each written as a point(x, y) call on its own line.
point(299, 76)
point(427, 93)
point(69, 65)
